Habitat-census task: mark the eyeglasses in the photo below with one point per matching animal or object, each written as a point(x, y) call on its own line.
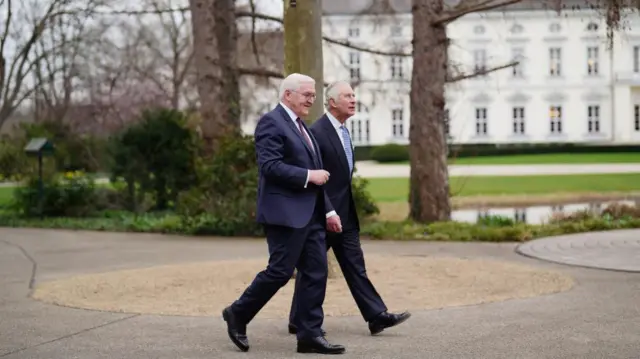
point(308, 95)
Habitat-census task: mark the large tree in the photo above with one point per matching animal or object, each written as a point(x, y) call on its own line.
point(215, 45)
point(429, 179)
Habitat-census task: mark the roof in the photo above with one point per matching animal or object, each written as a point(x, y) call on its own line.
point(379, 7)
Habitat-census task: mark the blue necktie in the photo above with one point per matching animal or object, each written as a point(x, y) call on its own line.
point(347, 147)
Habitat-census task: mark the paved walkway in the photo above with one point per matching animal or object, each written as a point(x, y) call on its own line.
point(598, 318)
point(619, 251)
point(371, 169)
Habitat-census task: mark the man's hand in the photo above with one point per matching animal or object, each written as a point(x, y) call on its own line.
point(318, 177)
point(334, 224)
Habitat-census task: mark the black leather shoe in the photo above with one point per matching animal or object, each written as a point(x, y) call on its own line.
point(294, 330)
point(236, 330)
point(387, 320)
point(319, 345)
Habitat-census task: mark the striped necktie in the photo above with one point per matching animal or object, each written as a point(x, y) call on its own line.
point(348, 150)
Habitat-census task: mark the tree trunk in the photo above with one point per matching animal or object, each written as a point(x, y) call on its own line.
point(429, 184)
point(215, 52)
point(303, 46)
point(303, 54)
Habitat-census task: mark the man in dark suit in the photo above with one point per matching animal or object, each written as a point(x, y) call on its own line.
point(292, 206)
point(337, 156)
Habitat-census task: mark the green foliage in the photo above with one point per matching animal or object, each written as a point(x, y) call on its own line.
point(14, 163)
point(155, 156)
point(166, 222)
point(501, 230)
point(72, 195)
point(493, 220)
point(365, 204)
point(224, 201)
point(73, 152)
point(365, 153)
point(390, 153)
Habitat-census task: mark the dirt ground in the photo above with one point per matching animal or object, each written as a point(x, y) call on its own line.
point(204, 289)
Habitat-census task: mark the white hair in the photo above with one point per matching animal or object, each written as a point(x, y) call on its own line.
point(293, 82)
point(333, 91)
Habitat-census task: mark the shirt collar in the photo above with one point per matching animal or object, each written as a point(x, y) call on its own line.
point(334, 121)
point(292, 115)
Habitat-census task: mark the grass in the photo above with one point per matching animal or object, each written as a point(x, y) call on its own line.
point(397, 189)
point(550, 158)
point(6, 194)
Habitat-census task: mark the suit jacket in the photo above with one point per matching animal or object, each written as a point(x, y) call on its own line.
point(284, 157)
point(334, 159)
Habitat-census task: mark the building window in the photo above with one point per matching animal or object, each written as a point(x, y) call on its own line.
point(481, 121)
point(636, 59)
point(397, 122)
point(592, 26)
point(593, 116)
point(360, 131)
point(516, 29)
point(636, 117)
point(518, 120)
point(447, 123)
point(480, 60)
point(478, 30)
point(592, 60)
point(555, 61)
point(354, 32)
point(396, 31)
point(517, 55)
point(354, 66)
point(555, 27)
point(396, 68)
point(555, 115)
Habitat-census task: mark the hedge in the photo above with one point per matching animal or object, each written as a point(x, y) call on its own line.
point(365, 153)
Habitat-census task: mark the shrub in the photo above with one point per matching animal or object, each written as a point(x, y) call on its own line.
point(72, 194)
point(73, 152)
point(224, 201)
point(155, 156)
point(390, 153)
point(14, 163)
point(365, 204)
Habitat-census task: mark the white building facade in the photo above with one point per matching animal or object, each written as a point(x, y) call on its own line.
point(570, 86)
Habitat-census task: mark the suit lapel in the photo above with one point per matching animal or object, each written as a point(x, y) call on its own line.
point(296, 130)
point(335, 141)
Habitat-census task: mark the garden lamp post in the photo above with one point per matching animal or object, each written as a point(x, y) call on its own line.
point(39, 147)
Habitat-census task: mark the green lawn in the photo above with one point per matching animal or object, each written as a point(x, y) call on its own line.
point(396, 189)
point(6, 193)
point(551, 158)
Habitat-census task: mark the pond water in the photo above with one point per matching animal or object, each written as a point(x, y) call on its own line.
point(535, 214)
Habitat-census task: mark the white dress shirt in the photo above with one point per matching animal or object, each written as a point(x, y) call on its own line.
point(294, 118)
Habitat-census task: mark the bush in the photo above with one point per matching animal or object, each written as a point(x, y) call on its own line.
point(206, 224)
point(390, 153)
point(14, 163)
point(73, 152)
point(364, 202)
point(72, 194)
point(365, 153)
point(155, 156)
point(224, 201)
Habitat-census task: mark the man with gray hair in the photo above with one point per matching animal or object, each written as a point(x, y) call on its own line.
point(293, 207)
point(336, 151)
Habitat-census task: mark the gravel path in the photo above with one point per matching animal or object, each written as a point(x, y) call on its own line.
point(597, 318)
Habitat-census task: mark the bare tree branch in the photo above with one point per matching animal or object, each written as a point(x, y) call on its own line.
point(481, 72)
point(470, 6)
